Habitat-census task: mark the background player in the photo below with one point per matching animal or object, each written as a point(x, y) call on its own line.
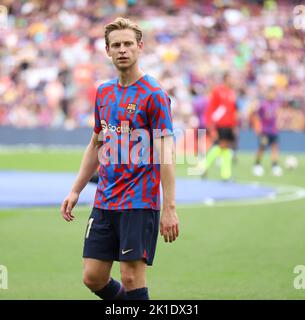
point(266, 128)
point(221, 122)
point(124, 222)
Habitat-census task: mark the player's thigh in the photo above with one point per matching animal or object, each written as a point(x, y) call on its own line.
point(95, 270)
point(138, 233)
point(273, 141)
point(133, 274)
point(225, 137)
point(101, 241)
point(263, 141)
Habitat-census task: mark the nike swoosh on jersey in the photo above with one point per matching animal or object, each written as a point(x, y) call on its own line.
point(126, 251)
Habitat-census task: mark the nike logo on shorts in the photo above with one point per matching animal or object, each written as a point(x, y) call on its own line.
point(126, 251)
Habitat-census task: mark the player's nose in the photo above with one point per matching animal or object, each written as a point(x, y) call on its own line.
point(122, 48)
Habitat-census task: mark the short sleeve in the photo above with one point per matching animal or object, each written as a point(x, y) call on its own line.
point(97, 120)
point(159, 114)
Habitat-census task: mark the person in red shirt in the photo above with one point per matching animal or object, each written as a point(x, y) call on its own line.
point(221, 122)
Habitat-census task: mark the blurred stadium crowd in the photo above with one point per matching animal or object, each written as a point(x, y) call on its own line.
point(52, 57)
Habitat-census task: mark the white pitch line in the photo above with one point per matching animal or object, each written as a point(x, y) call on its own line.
point(294, 193)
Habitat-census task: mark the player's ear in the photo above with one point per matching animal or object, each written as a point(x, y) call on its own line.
point(141, 45)
point(107, 51)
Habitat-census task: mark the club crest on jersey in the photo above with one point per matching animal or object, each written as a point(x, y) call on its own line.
point(131, 108)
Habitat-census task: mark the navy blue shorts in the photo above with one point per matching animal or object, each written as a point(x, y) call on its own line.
point(226, 134)
point(122, 235)
point(265, 139)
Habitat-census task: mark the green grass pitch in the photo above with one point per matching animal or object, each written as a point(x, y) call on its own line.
point(227, 252)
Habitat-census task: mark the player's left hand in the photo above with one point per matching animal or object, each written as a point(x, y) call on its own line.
point(67, 206)
point(169, 225)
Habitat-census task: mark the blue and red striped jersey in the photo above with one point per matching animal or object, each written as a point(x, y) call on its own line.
point(127, 119)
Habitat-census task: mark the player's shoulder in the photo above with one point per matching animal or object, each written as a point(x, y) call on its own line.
point(152, 81)
point(153, 86)
point(106, 84)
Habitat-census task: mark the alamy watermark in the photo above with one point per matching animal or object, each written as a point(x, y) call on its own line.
point(120, 144)
point(3, 277)
point(299, 17)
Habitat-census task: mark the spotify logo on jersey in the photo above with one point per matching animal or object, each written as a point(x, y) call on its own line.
point(123, 128)
point(104, 126)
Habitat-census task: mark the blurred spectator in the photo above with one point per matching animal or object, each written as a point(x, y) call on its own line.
point(52, 56)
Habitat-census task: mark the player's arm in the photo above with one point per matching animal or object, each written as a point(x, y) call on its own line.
point(255, 120)
point(88, 167)
point(169, 223)
point(159, 115)
point(256, 123)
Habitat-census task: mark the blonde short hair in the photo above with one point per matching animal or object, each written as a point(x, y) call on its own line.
point(121, 24)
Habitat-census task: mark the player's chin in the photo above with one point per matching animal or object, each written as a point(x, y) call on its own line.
point(122, 67)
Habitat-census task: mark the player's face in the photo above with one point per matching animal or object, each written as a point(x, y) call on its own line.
point(123, 48)
point(231, 81)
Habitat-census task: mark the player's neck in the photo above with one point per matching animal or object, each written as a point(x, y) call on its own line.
point(130, 76)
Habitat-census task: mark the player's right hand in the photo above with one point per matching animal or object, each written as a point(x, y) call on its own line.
point(67, 206)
